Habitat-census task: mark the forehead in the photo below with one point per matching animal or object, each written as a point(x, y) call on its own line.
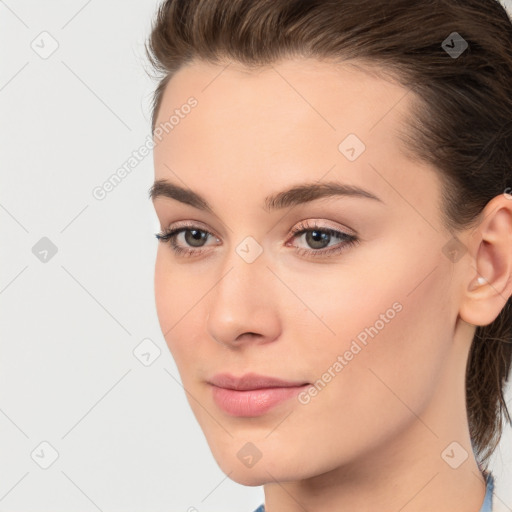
point(282, 122)
point(338, 95)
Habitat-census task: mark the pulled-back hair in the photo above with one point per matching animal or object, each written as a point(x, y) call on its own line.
point(460, 120)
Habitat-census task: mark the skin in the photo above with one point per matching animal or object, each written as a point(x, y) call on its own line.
point(372, 438)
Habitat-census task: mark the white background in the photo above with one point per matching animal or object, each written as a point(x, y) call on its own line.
point(124, 432)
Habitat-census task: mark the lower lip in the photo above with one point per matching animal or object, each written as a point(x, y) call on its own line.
point(253, 402)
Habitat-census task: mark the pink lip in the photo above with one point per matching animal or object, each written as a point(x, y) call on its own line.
point(251, 394)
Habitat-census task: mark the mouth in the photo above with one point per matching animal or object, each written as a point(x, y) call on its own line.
point(252, 395)
point(252, 381)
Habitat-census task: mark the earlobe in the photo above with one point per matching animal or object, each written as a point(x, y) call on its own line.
point(490, 275)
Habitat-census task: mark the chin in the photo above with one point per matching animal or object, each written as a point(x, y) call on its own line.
point(237, 471)
point(262, 472)
point(248, 478)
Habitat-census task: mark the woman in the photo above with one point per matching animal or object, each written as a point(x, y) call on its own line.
point(333, 182)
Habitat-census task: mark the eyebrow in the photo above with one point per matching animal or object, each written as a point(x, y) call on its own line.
point(298, 194)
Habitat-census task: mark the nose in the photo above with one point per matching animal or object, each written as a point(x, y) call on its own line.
point(243, 306)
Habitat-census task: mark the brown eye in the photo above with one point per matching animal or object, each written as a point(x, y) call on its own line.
point(196, 238)
point(317, 238)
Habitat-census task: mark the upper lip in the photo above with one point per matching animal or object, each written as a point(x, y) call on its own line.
point(251, 381)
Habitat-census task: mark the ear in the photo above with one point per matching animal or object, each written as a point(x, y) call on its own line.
point(488, 282)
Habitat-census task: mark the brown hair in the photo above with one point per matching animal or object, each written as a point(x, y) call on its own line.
point(461, 121)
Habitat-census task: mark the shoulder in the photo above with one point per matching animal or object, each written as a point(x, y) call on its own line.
point(261, 508)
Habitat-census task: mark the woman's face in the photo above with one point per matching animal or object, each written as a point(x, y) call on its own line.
point(369, 325)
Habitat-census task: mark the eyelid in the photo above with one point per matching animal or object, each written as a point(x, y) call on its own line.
point(318, 223)
point(190, 224)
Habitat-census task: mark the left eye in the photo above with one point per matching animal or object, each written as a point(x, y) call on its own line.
point(319, 237)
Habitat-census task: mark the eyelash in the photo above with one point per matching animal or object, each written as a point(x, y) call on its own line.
point(169, 236)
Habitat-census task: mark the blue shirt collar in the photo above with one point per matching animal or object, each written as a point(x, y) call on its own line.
point(487, 505)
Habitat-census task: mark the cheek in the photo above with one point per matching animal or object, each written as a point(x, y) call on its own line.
point(165, 296)
point(178, 289)
point(181, 298)
point(393, 336)
point(176, 298)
